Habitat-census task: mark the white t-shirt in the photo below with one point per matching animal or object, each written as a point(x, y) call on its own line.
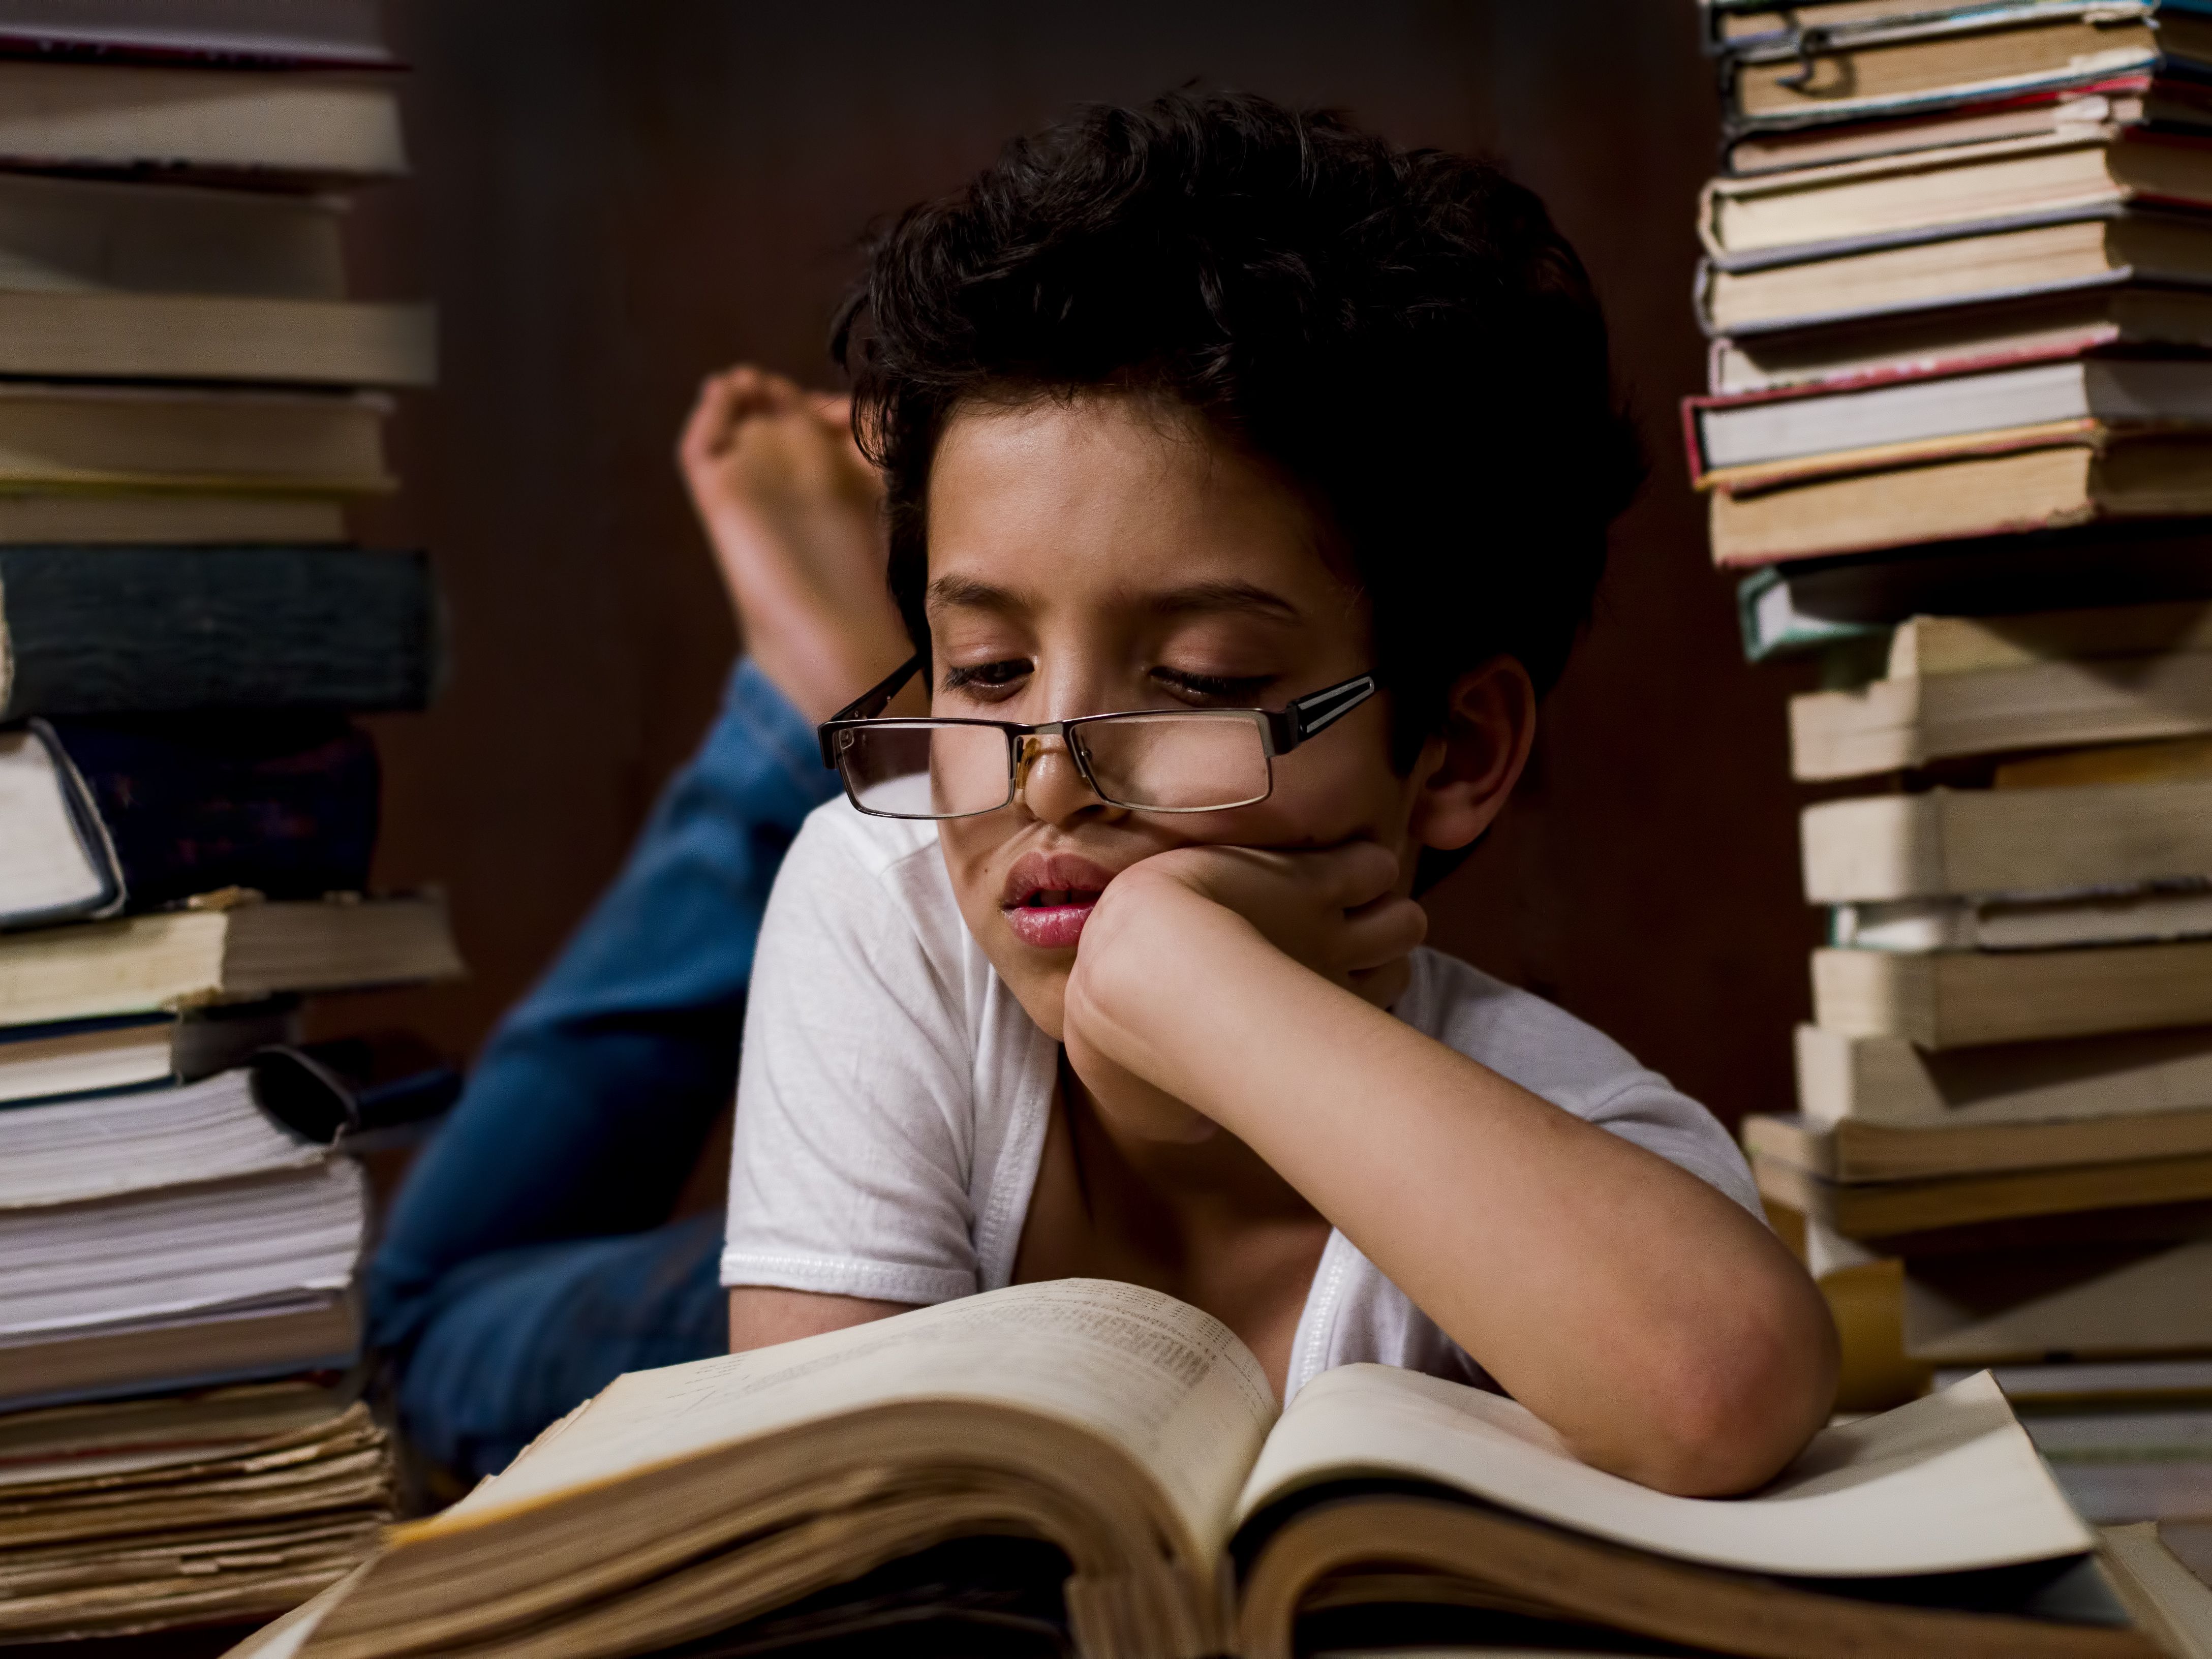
point(894, 1097)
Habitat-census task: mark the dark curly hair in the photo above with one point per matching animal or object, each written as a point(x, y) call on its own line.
point(1405, 333)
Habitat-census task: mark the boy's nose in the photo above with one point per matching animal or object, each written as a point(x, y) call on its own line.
point(1050, 785)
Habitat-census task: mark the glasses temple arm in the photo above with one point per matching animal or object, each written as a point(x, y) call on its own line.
point(1317, 711)
point(869, 704)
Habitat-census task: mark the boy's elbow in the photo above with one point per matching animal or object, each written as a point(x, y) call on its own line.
point(1740, 1404)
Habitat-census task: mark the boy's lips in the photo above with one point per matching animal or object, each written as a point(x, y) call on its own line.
point(1048, 897)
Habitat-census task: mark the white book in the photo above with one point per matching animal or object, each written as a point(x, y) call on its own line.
point(41, 1063)
point(113, 1264)
point(106, 1145)
point(1910, 411)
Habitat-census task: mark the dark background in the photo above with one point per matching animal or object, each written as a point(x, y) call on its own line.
point(611, 198)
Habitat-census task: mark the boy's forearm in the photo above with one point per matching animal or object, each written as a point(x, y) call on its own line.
point(1646, 1317)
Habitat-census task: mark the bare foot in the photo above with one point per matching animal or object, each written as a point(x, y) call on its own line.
point(795, 513)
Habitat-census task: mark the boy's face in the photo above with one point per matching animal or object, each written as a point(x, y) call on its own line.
point(1111, 553)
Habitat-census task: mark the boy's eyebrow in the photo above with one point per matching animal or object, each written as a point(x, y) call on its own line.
point(1224, 596)
point(971, 594)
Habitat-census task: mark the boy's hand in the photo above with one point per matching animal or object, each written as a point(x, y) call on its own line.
point(1331, 910)
point(1168, 927)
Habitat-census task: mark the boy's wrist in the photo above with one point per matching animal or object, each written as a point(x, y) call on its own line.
point(1154, 990)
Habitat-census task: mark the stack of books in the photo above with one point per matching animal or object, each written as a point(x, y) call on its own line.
point(188, 402)
point(1958, 441)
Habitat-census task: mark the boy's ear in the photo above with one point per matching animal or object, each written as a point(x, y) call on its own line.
point(1466, 770)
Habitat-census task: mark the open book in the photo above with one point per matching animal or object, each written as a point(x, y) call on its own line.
point(1124, 1452)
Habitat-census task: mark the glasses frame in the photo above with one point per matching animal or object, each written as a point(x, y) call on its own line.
point(1281, 730)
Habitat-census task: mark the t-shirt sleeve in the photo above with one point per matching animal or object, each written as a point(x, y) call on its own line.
point(854, 1114)
point(1549, 1053)
point(1650, 1111)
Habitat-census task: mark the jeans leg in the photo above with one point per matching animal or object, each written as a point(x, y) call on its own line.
point(517, 1338)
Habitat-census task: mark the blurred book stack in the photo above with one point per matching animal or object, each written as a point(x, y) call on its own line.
point(188, 400)
point(1957, 445)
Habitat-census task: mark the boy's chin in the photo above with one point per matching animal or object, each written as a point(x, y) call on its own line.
point(1039, 984)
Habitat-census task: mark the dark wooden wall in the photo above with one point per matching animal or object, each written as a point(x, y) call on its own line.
point(612, 198)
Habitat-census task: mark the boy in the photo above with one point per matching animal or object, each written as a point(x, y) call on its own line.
point(1295, 451)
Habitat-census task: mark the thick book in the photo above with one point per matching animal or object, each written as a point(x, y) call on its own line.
point(307, 1332)
point(1961, 339)
point(103, 1145)
point(200, 337)
point(2140, 914)
point(1944, 842)
point(2058, 1386)
point(1763, 429)
point(1808, 605)
point(219, 1505)
point(2093, 249)
point(100, 816)
point(277, 33)
point(1187, 1516)
point(1932, 57)
point(2015, 1207)
point(2119, 1301)
point(121, 1052)
point(1883, 1080)
point(145, 630)
point(124, 439)
point(1914, 719)
point(1732, 26)
point(2141, 1467)
point(1969, 645)
point(2132, 459)
point(1854, 1150)
point(2130, 102)
point(168, 518)
point(281, 1240)
point(2053, 476)
point(68, 236)
point(1960, 189)
point(1963, 999)
point(237, 952)
point(200, 122)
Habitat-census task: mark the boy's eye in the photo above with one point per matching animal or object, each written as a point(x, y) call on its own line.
point(1240, 689)
point(985, 675)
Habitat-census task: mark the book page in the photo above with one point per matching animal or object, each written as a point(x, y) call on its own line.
point(1169, 1385)
point(1946, 1484)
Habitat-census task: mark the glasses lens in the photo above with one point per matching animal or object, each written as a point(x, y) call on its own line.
point(921, 771)
point(1178, 763)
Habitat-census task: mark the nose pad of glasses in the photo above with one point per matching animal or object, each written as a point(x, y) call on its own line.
point(1034, 752)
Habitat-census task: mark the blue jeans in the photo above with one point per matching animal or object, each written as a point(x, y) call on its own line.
point(528, 1261)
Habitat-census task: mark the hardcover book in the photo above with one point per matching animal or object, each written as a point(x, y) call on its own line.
point(1807, 604)
point(1919, 58)
point(99, 816)
point(225, 949)
point(153, 630)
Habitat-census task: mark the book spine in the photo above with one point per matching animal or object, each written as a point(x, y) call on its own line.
point(152, 630)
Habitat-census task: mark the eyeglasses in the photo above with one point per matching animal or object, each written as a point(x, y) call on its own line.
point(1183, 760)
